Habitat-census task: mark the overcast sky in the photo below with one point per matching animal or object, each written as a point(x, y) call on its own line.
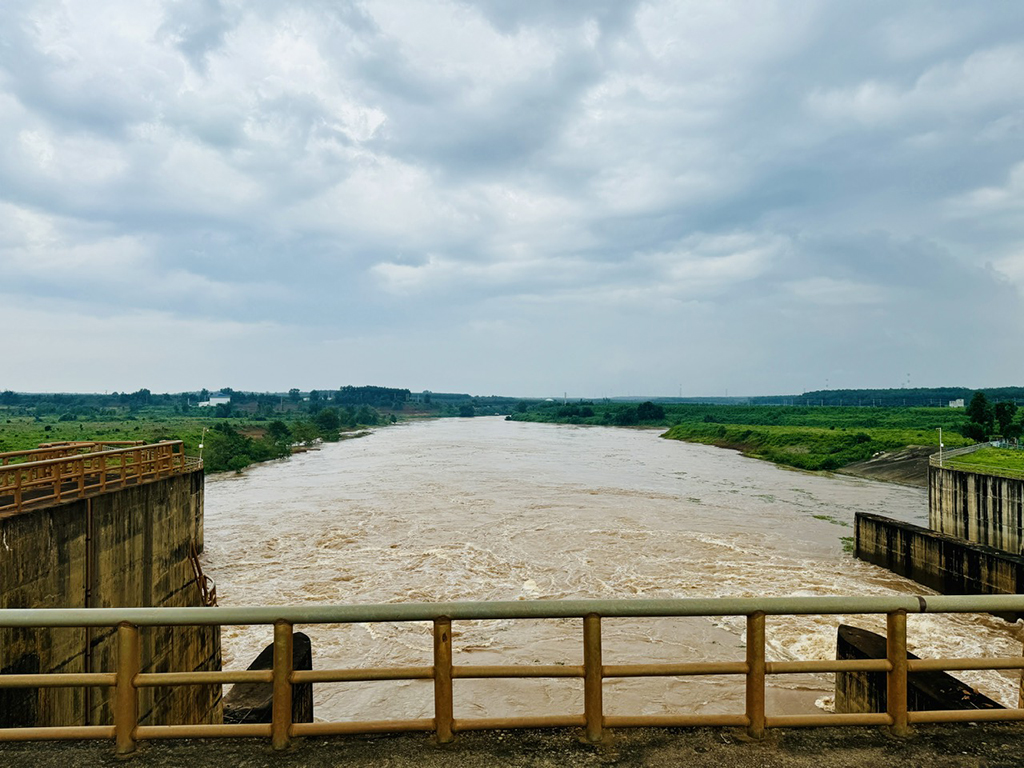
point(521, 197)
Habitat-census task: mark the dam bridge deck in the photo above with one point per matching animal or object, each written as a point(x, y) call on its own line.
point(57, 473)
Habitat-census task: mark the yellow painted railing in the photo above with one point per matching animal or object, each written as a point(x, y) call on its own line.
point(81, 473)
point(127, 678)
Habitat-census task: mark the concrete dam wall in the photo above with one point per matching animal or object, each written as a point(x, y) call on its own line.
point(123, 548)
point(982, 508)
point(945, 563)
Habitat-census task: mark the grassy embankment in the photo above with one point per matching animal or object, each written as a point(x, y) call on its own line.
point(1004, 461)
point(818, 438)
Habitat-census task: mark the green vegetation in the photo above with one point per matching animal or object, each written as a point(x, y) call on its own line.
point(1000, 460)
point(812, 438)
point(248, 428)
point(813, 448)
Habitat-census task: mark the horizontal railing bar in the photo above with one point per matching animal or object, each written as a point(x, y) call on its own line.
point(964, 715)
point(95, 455)
point(501, 723)
point(676, 670)
point(157, 679)
point(201, 731)
point(53, 733)
point(674, 721)
point(59, 680)
point(929, 665)
point(361, 675)
point(480, 672)
point(367, 726)
point(826, 665)
point(809, 721)
point(510, 609)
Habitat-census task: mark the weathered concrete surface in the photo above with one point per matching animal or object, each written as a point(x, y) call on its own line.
point(124, 548)
point(947, 564)
point(981, 508)
point(908, 466)
point(867, 691)
point(936, 746)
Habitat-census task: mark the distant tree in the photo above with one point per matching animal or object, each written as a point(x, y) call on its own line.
point(522, 406)
point(980, 418)
point(305, 432)
point(648, 411)
point(328, 424)
point(366, 415)
point(7, 397)
point(626, 417)
point(1004, 413)
point(222, 410)
point(467, 411)
point(294, 395)
point(278, 431)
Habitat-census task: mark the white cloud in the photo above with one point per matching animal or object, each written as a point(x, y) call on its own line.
point(639, 182)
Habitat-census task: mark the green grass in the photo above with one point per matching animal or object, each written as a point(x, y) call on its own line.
point(230, 444)
point(1000, 460)
point(809, 447)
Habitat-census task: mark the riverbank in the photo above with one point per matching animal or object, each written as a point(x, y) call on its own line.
point(937, 746)
point(886, 454)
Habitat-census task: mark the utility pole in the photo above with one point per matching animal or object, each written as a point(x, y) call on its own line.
point(940, 446)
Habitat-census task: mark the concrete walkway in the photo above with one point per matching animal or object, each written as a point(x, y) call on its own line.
point(938, 746)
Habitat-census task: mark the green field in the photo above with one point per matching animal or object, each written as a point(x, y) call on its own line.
point(998, 460)
point(813, 448)
point(229, 444)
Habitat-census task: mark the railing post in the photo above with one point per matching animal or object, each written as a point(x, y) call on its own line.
point(593, 677)
point(444, 706)
point(126, 698)
point(755, 675)
point(896, 679)
point(281, 709)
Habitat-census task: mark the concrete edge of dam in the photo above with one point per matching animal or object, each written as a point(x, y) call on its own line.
point(938, 746)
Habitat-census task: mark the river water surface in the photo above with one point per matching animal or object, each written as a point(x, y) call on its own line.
point(484, 509)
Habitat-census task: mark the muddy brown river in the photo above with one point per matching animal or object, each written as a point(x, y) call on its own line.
point(485, 509)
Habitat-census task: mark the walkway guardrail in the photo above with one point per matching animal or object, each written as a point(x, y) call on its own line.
point(127, 678)
point(59, 450)
point(78, 475)
point(951, 460)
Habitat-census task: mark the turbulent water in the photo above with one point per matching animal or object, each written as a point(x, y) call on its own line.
point(484, 509)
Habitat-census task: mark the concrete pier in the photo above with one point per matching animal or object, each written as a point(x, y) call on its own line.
point(127, 547)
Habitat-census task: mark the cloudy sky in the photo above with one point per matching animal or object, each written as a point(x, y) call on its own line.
point(523, 197)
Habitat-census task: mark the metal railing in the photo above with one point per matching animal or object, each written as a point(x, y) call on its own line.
point(79, 474)
point(127, 678)
point(60, 450)
point(951, 460)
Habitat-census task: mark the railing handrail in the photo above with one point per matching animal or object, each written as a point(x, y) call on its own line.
point(129, 677)
point(90, 455)
point(510, 609)
point(69, 445)
point(69, 477)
